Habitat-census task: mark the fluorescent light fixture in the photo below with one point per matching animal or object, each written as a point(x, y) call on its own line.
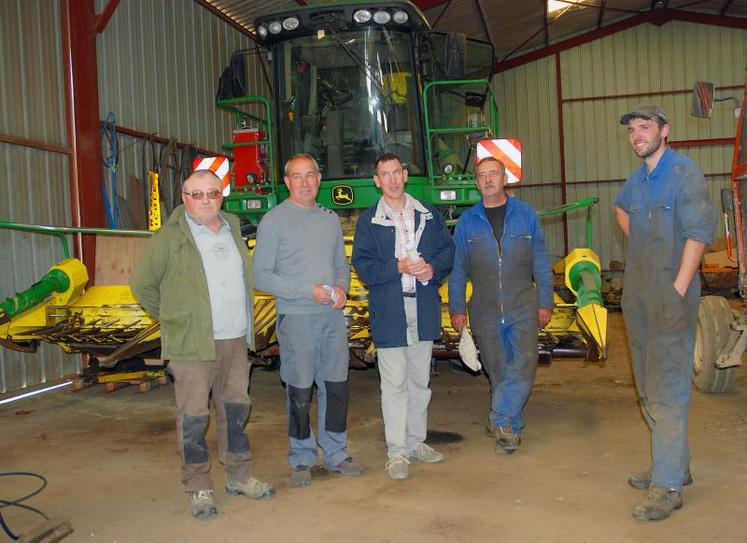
point(34, 392)
point(558, 7)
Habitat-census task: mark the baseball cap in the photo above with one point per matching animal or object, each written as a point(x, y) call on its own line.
point(648, 112)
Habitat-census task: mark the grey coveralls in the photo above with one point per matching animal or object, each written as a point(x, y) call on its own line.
point(667, 207)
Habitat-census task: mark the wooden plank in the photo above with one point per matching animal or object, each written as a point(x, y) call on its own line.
point(116, 257)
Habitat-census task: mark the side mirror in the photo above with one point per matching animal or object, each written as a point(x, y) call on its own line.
point(702, 99)
point(508, 151)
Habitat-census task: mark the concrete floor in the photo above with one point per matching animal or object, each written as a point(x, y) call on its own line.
point(112, 467)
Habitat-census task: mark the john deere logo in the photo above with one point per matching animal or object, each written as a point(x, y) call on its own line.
point(342, 195)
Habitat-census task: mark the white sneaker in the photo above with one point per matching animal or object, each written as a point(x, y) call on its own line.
point(426, 453)
point(398, 468)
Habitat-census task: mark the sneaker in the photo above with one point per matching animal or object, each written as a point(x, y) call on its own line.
point(398, 468)
point(253, 488)
point(349, 467)
point(426, 453)
point(659, 504)
point(301, 476)
point(202, 505)
point(506, 440)
point(642, 480)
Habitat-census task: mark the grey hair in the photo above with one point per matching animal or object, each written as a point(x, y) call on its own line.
point(301, 155)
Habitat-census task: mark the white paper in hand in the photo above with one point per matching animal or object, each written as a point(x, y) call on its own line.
point(468, 351)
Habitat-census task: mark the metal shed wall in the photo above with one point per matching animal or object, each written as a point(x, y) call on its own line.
point(34, 184)
point(586, 89)
point(159, 63)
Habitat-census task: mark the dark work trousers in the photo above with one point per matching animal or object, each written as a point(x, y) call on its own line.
point(314, 350)
point(661, 328)
point(228, 378)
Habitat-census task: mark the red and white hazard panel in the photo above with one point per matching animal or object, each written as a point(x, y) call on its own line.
point(219, 166)
point(507, 151)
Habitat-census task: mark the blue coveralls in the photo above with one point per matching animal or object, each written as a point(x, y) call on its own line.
point(667, 207)
point(504, 303)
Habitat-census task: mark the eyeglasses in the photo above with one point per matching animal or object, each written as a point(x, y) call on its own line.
point(212, 194)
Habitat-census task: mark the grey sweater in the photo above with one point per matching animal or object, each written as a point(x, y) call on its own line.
point(296, 249)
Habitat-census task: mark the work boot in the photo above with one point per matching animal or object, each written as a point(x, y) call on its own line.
point(490, 430)
point(659, 504)
point(398, 468)
point(427, 454)
point(202, 505)
point(349, 466)
point(506, 440)
point(252, 488)
point(301, 476)
point(642, 480)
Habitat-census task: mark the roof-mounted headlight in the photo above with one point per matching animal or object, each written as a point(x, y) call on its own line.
point(275, 27)
point(291, 23)
point(262, 31)
point(400, 17)
point(362, 16)
point(382, 17)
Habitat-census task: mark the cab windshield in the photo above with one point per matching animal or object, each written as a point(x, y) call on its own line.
point(348, 98)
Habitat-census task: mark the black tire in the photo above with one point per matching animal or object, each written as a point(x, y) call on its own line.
point(714, 320)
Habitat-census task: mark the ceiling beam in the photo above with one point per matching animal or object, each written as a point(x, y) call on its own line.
point(545, 25)
point(726, 6)
point(218, 13)
point(600, 18)
point(485, 25)
point(658, 18)
point(428, 4)
point(446, 7)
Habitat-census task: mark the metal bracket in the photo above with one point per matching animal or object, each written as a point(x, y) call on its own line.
point(731, 354)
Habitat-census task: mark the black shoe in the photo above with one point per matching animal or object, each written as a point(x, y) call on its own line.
point(642, 481)
point(659, 504)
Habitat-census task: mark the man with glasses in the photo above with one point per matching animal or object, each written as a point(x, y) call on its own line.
point(666, 213)
point(300, 259)
point(195, 277)
point(500, 248)
point(403, 252)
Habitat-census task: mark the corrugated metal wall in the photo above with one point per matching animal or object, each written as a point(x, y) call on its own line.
point(593, 78)
point(159, 62)
point(34, 185)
